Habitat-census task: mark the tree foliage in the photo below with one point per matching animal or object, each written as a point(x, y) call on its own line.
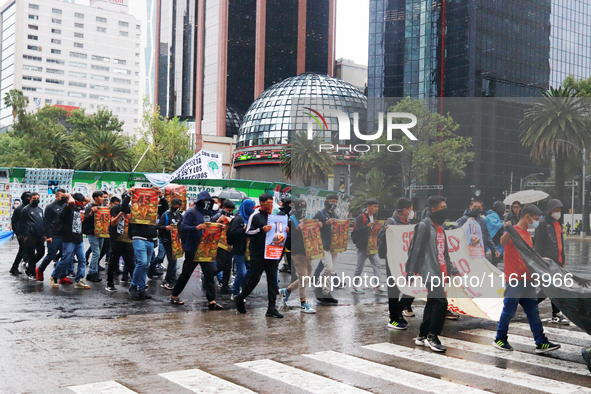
point(105, 151)
point(374, 185)
point(302, 159)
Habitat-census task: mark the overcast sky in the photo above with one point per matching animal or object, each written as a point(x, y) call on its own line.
point(352, 30)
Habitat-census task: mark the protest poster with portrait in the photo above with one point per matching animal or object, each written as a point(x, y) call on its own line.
point(275, 240)
point(124, 237)
point(474, 236)
point(144, 206)
point(312, 239)
point(340, 236)
point(173, 190)
point(177, 244)
point(372, 243)
point(208, 246)
point(102, 221)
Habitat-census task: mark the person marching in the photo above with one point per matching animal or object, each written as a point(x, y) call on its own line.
point(168, 221)
point(32, 231)
point(96, 243)
point(121, 244)
point(15, 222)
point(237, 238)
point(54, 241)
point(224, 252)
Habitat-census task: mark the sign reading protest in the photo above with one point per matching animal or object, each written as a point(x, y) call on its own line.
point(340, 236)
point(312, 239)
point(144, 206)
point(208, 246)
point(481, 288)
point(102, 220)
point(275, 239)
point(372, 243)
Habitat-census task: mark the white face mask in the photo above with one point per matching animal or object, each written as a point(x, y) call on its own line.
point(556, 215)
point(216, 207)
point(411, 215)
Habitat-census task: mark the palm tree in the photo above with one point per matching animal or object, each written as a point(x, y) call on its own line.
point(374, 185)
point(63, 150)
point(559, 116)
point(104, 151)
point(302, 159)
point(15, 99)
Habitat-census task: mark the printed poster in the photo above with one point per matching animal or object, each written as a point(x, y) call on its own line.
point(177, 245)
point(176, 191)
point(102, 220)
point(223, 242)
point(474, 236)
point(5, 209)
point(144, 206)
point(275, 240)
point(372, 243)
point(340, 236)
point(312, 239)
point(247, 254)
point(208, 246)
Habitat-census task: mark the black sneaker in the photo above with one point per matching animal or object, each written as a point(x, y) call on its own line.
point(547, 347)
point(240, 304)
point(133, 292)
point(274, 313)
point(93, 278)
point(124, 278)
point(420, 340)
point(587, 357)
point(226, 290)
point(144, 296)
point(15, 272)
point(502, 344)
point(328, 299)
point(435, 344)
point(111, 288)
point(451, 316)
point(397, 324)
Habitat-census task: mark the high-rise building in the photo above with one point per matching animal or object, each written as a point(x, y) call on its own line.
point(71, 54)
point(351, 72)
point(474, 49)
point(215, 57)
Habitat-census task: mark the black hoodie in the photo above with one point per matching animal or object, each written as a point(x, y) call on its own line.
point(51, 215)
point(31, 222)
point(545, 239)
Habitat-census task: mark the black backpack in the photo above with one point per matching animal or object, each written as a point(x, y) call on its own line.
point(355, 232)
point(229, 235)
point(382, 245)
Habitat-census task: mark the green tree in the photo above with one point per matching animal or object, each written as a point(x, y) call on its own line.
point(104, 151)
point(437, 145)
point(15, 99)
point(167, 140)
point(581, 87)
point(374, 185)
point(557, 117)
point(301, 159)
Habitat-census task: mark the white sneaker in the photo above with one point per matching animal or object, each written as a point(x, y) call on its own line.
point(408, 313)
point(306, 308)
point(356, 290)
point(560, 319)
point(380, 290)
point(53, 283)
point(81, 285)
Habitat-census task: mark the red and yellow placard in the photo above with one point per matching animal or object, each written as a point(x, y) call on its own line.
point(125, 236)
point(208, 246)
point(102, 221)
point(223, 242)
point(177, 245)
point(176, 191)
point(312, 239)
point(372, 243)
point(144, 207)
point(340, 236)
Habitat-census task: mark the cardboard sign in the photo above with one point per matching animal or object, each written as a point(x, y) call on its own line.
point(340, 236)
point(372, 243)
point(102, 221)
point(208, 247)
point(275, 240)
point(177, 245)
point(312, 239)
point(144, 207)
point(176, 191)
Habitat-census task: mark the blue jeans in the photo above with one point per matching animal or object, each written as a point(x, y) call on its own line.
point(143, 254)
point(52, 249)
point(523, 293)
point(159, 258)
point(240, 264)
point(69, 249)
point(96, 244)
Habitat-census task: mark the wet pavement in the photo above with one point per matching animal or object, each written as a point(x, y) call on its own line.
point(54, 339)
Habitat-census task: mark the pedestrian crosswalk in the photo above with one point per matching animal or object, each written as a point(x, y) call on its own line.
point(472, 365)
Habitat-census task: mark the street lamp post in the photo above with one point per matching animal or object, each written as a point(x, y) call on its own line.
point(583, 210)
point(521, 179)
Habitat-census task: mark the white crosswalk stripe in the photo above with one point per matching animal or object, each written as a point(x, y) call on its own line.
point(532, 359)
point(199, 381)
point(298, 378)
point(521, 340)
point(400, 377)
point(110, 387)
point(557, 331)
point(478, 369)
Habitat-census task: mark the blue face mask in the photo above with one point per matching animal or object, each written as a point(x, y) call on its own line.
point(534, 224)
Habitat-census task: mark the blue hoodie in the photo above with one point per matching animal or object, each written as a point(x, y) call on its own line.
point(246, 209)
point(193, 218)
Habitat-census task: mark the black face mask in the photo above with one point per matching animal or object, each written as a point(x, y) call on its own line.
point(35, 203)
point(174, 209)
point(64, 199)
point(330, 207)
point(300, 213)
point(475, 212)
point(440, 216)
point(204, 204)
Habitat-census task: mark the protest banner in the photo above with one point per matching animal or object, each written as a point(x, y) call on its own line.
point(144, 206)
point(275, 239)
point(474, 236)
point(340, 236)
point(208, 246)
point(102, 221)
point(312, 239)
point(177, 245)
point(223, 242)
point(176, 191)
point(372, 243)
point(124, 237)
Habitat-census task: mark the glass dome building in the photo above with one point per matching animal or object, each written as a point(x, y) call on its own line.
point(285, 108)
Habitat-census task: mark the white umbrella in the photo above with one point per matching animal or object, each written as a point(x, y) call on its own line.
point(525, 197)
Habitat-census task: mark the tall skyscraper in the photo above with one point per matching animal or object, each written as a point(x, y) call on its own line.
point(216, 56)
point(474, 49)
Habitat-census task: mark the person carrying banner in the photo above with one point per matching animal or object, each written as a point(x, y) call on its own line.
point(224, 252)
point(475, 211)
point(494, 224)
point(428, 257)
point(96, 243)
point(121, 244)
point(519, 288)
point(256, 229)
point(397, 307)
point(549, 242)
point(192, 228)
point(54, 241)
point(237, 238)
point(302, 264)
point(360, 236)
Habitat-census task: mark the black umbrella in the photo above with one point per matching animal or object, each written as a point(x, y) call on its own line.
point(232, 194)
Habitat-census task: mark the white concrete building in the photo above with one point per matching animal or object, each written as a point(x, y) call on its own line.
point(72, 54)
